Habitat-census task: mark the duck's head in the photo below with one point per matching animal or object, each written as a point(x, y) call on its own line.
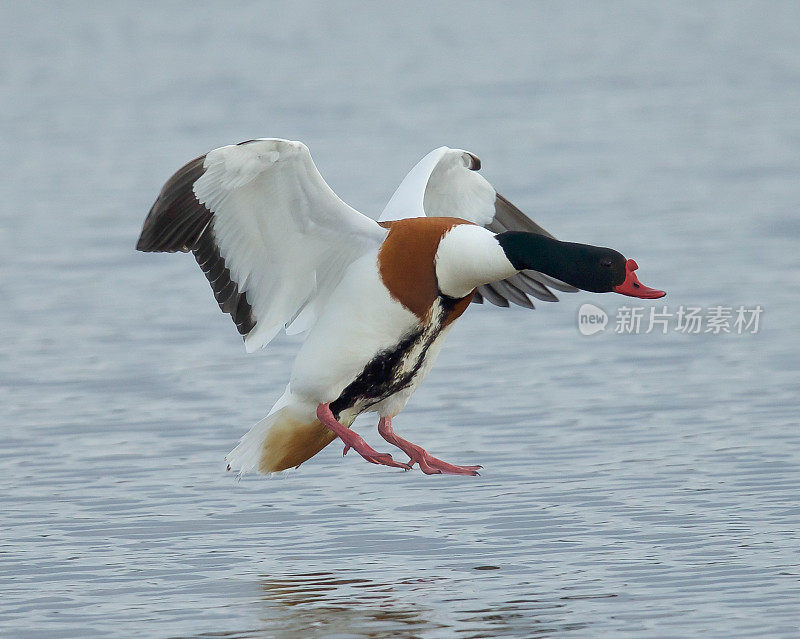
point(591, 268)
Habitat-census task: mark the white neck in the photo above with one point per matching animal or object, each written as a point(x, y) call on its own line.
point(468, 256)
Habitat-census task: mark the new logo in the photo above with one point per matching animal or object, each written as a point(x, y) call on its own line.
point(591, 319)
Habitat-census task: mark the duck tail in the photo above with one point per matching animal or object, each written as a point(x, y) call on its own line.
point(285, 438)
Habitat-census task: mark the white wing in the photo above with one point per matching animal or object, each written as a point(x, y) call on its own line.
point(271, 236)
point(446, 183)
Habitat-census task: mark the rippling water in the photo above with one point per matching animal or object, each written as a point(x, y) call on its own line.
point(638, 485)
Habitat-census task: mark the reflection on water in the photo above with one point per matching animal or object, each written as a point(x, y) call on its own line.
point(637, 486)
point(329, 604)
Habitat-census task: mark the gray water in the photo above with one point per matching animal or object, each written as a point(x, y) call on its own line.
point(634, 485)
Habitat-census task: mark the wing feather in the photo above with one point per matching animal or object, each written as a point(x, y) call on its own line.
point(270, 235)
point(490, 293)
point(176, 219)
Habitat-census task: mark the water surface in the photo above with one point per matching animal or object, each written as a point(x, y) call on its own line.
point(634, 485)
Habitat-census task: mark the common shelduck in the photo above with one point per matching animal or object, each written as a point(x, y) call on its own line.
point(376, 299)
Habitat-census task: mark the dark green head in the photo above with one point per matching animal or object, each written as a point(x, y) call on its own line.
point(591, 268)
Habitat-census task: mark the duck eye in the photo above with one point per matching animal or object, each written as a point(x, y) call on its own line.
point(605, 263)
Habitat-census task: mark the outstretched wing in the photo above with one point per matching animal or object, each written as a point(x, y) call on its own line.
point(446, 183)
point(271, 236)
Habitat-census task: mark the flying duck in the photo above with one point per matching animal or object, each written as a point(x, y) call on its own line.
point(375, 298)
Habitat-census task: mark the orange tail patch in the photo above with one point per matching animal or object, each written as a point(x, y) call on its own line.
point(289, 442)
point(282, 440)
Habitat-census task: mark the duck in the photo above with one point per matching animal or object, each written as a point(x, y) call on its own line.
point(375, 299)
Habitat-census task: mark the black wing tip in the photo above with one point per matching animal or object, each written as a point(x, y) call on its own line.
point(149, 242)
point(475, 162)
point(176, 220)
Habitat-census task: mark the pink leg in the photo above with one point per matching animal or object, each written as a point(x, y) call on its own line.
point(428, 464)
point(353, 440)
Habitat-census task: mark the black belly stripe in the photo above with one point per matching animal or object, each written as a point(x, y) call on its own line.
point(381, 377)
